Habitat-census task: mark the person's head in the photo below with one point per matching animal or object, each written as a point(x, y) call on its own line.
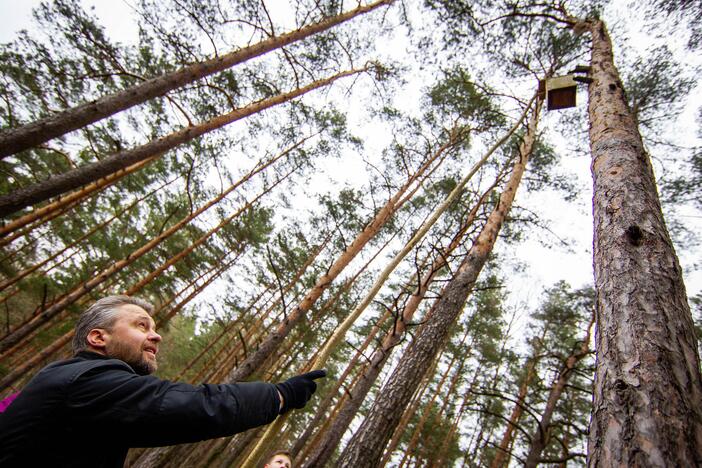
point(279, 459)
point(120, 327)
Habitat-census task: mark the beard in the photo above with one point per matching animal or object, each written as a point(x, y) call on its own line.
point(135, 358)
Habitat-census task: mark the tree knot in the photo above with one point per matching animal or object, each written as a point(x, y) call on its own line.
point(634, 235)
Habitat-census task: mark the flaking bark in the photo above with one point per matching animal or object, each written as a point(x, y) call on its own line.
point(648, 391)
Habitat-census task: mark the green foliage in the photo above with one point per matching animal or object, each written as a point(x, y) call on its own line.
point(341, 216)
point(685, 188)
point(431, 437)
point(456, 101)
point(656, 86)
point(562, 314)
point(181, 344)
point(486, 323)
point(457, 96)
point(685, 14)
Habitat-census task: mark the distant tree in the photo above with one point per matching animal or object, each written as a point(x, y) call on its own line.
point(366, 447)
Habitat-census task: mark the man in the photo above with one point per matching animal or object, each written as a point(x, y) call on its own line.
point(88, 410)
point(279, 459)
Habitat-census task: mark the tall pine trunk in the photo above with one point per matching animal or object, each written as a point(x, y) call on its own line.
point(366, 447)
point(272, 342)
point(502, 456)
point(35, 133)
point(648, 391)
point(88, 173)
point(410, 411)
point(372, 369)
point(540, 439)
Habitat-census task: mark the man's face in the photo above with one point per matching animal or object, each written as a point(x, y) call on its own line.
point(279, 461)
point(133, 339)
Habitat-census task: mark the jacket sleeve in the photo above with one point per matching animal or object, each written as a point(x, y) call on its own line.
point(143, 411)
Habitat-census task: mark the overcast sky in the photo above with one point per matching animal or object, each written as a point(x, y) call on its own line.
point(571, 222)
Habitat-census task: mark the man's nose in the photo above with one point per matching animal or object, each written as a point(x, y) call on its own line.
point(153, 336)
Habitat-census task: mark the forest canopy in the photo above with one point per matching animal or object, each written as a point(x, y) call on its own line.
point(377, 188)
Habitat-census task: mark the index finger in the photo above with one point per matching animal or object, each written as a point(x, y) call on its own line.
point(316, 374)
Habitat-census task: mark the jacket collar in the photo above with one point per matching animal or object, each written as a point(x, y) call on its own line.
point(91, 355)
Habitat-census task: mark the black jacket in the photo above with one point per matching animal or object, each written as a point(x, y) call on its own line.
point(88, 410)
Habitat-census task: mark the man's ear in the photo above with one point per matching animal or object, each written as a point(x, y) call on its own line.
point(97, 338)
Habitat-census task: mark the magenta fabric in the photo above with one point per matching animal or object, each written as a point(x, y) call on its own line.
point(6, 402)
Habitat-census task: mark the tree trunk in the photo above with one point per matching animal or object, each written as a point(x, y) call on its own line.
point(165, 304)
point(394, 336)
point(236, 447)
point(502, 456)
point(271, 343)
point(66, 202)
point(326, 403)
point(540, 438)
point(648, 391)
point(409, 412)
point(426, 413)
point(93, 230)
point(62, 183)
point(35, 133)
point(320, 357)
point(82, 289)
point(366, 447)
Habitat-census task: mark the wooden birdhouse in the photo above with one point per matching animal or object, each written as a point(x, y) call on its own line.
point(560, 92)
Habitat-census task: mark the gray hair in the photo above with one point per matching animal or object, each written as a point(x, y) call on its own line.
point(103, 314)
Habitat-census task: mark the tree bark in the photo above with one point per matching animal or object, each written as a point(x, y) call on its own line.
point(426, 413)
point(66, 202)
point(82, 289)
point(366, 447)
point(75, 178)
point(394, 336)
point(411, 409)
point(502, 456)
point(271, 343)
point(540, 438)
point(648, 391)
point(27, 136)
point(326, 403)
point(9, 282)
